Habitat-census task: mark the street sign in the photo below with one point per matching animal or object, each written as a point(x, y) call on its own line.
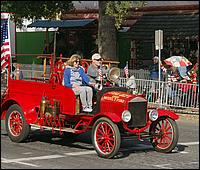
point(159, 39)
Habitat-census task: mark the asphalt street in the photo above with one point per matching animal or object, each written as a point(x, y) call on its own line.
point(47, 151)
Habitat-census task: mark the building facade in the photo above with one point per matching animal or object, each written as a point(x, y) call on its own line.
point(179, 21)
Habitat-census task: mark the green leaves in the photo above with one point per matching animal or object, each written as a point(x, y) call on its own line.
point(121, 9)
point(35, 9)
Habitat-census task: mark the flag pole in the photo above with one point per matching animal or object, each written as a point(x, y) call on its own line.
point(10, 58)
point(101, 77)
point(159, 76)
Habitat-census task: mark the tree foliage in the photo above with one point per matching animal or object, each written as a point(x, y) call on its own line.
point(121, 9)
point(35, 9)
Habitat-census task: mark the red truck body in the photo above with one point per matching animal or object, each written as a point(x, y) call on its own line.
point(116, 113)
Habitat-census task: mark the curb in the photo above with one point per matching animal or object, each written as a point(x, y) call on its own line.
point(188, 116)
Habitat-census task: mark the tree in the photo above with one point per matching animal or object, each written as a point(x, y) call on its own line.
point(106, 33)
point(111, 16)
point(35, 9)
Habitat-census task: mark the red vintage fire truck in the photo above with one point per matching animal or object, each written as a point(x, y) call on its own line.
point(117, 113)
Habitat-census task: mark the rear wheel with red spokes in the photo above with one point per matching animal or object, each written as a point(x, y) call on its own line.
point(165, 134)
point(106, 138)
point(16, 126)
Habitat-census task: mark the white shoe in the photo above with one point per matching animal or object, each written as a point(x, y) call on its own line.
point(87, 109)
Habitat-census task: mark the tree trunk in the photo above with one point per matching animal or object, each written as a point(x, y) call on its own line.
point(106, 34)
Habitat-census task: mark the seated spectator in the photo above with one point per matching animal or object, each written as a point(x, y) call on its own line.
point(75, 78)
point(173, 74)
point(183, 74)
point(17, 72)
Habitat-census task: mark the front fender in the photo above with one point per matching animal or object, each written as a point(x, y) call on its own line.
point(112, 116)
point(169, 113)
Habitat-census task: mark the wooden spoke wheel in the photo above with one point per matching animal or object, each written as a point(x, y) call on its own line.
point(106, 138)
point(165, 134)
point(16, 126)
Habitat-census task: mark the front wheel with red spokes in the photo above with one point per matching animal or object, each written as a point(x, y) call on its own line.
point(164, 134)
point(106, 138)
point(16, 126)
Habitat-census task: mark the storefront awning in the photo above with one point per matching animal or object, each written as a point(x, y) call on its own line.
point(61, 23)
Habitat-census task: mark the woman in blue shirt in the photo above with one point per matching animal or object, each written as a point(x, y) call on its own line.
point(75, 78)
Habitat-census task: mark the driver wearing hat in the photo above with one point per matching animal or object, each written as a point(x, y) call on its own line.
point(93, 72)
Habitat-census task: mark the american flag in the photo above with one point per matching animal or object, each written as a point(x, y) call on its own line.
point(5, 44)
point(100, 71)
point(163, 68)
point(193, 75)
point(126, 69)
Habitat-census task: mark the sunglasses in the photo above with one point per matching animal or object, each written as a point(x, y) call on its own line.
point(77, 61)
point(98, 59)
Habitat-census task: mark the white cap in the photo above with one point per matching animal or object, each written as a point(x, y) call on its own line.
point(96, 56)
point(156, 57)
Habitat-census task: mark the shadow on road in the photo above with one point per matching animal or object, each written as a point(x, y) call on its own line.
point(181, 148)
point(83, 141)
point(66, 139)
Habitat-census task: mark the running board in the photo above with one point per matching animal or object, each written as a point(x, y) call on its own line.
point(50, 128)
point(133, 137)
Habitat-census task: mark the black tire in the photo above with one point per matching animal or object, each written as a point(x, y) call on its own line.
point(111, 139)
point(168, 130)
point(15, 118)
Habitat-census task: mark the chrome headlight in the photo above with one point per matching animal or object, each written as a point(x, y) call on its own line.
point(153, 115)
point(126, 116)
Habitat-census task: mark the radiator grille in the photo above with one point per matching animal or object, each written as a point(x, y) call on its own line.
point(138, 113)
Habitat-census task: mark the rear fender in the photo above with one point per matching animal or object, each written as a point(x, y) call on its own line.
point(4, 107)
point(167, 113)
point(29, 110)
